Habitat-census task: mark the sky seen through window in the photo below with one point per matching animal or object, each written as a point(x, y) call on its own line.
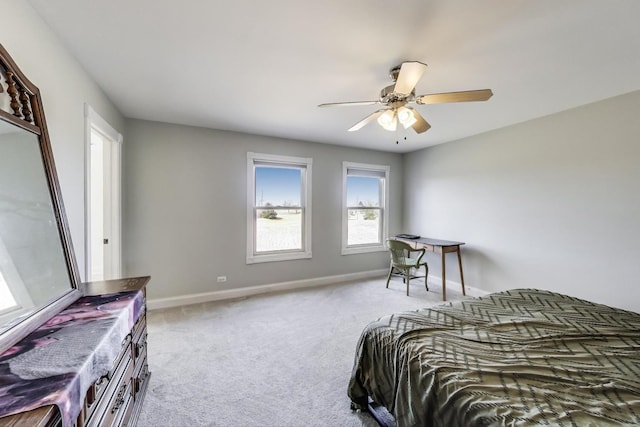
point(363, 189)
point(280, 186)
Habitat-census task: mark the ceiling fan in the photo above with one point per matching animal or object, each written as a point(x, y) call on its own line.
point(401, 93)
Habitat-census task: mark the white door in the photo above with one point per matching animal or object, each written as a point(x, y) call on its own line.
point(103, 199)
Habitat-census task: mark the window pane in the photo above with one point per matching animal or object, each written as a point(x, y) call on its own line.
point(363, 191)
point(277, 186)
point(363, 226)
point(365, 213)
point(6, 298)
point(278, 229)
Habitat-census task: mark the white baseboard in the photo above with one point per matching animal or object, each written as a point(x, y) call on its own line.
point(158, 303)
point(436, 282)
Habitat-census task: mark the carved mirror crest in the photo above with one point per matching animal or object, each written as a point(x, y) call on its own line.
point(38, 272)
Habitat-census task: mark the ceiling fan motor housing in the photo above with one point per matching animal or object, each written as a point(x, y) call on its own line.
point(388, 96)
point(394, 72)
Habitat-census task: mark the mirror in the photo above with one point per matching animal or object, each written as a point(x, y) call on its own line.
point(32, 263)
point(38, 274)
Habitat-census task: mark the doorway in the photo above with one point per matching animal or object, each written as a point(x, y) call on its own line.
point(103, 199)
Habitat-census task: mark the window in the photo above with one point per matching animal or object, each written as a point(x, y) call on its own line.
point(365, 207)
point(279, 208)
point(14, 297)
point(6, 298)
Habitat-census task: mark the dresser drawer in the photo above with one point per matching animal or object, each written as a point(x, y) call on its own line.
point(139, 328)
point(98, 388)
point(139, 343)
point(120, 409)
point(115, 398)
point(141, 368)
point(140, 376)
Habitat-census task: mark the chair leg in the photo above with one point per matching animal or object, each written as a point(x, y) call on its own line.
point(389, 275)
point(426, 273)
point(407, 275)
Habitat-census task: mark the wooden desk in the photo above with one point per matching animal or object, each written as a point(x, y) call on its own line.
point(441, 247)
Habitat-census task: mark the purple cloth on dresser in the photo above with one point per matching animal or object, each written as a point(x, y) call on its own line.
point(58, 362)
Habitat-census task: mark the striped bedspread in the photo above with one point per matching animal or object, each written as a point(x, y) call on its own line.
point(515, 358)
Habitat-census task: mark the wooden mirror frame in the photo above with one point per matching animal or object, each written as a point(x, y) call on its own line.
point(27, 113)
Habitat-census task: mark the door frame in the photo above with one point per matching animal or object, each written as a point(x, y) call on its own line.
point(94, 121)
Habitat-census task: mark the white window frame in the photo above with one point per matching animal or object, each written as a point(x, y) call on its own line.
point(304, 163)
point(374, 171)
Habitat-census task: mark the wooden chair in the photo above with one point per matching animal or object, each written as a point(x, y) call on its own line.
point(402, 260)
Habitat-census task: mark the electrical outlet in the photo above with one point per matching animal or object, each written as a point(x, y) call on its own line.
point(222, 279)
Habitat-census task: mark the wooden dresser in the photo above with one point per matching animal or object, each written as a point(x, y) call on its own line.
point(72, 354)
point(115, 399)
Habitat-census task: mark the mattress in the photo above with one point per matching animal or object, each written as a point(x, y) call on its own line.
point(519, 357)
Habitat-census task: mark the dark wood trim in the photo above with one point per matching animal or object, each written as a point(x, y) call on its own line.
point(19, 122)
point(117, 285)
point(46, 416)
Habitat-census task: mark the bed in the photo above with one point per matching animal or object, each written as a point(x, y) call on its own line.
point(519, 357)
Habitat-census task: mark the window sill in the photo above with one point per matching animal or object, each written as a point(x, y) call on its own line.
point(363, 249)
point(256, 259)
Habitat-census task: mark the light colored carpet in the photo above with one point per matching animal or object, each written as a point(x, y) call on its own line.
point(281, 359)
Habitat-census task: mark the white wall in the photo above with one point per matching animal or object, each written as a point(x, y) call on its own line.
point(64, 87)
point(553, 203)
point(185, 209)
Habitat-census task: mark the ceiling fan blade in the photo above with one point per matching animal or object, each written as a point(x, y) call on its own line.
point(371, 117)
point(348, 104)
point(466, 96)
point(421, 124)
point(410, 73)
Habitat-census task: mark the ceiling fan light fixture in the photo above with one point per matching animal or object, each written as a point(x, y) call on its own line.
point(406, 117)
point(388, 120)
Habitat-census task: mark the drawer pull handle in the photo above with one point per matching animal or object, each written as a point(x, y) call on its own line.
point(144, 374)
point(140, 347)
point(91, 395)
point(119, 399)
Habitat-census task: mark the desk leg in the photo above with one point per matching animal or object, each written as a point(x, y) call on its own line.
point(444, 276)
point(460, 268)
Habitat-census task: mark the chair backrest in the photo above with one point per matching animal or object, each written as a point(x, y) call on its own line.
point(401, 252)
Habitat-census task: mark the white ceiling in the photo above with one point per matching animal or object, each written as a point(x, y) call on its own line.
point(262, 67)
